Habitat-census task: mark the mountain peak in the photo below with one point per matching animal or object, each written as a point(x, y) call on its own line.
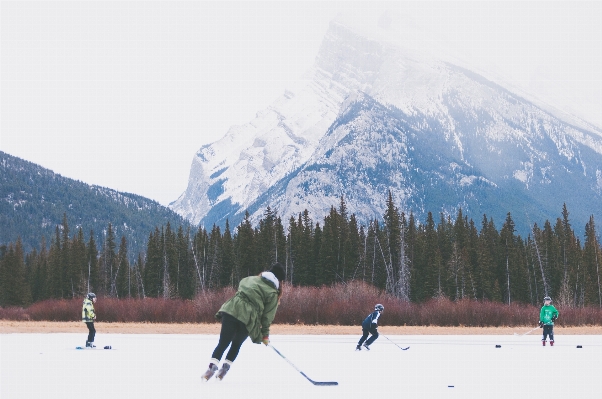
point(374, 117)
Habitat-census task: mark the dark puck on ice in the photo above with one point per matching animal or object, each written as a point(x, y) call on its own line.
point(498, 346)
point(579, 346)
point(108, 347)
point(450, 386)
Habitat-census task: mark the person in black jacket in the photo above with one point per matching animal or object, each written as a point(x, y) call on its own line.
point(370, 326)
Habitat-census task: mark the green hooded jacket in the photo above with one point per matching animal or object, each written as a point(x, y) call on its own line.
point(547, 313)
point(254, 304)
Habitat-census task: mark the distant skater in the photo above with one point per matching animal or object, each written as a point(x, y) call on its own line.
point(88, 317)
point(370, 326)
point(547, 317)
point(248, 313)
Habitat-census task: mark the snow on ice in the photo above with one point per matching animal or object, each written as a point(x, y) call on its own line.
point(170, 366)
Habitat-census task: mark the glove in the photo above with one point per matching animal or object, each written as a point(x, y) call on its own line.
point(554, 318)
point(540, 324)
point(266, 340)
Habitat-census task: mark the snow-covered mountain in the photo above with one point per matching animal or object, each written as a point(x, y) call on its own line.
point(372, 117)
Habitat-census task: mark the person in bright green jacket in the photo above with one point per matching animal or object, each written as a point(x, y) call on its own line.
point(249, 313)
point(88, 317)
point(547, 317)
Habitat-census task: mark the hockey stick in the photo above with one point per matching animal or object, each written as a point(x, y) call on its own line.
point(530, 331)
point(321, 383)
point(403, 349)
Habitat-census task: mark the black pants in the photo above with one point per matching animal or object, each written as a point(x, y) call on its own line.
point(548, 330)
point(233, 332)
point(372, 330)
point(91, 331)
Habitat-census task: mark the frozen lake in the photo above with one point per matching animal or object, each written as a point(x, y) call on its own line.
point(170, 366)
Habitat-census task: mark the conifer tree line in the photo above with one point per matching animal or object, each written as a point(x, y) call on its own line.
point(412, 260)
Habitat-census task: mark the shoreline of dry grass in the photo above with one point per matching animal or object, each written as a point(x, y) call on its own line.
point(38, 327)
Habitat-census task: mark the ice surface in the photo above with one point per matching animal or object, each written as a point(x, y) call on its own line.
point(170, 366)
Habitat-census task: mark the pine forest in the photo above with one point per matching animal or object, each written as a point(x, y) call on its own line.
point(413, 261)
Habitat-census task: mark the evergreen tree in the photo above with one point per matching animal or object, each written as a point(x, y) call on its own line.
point(138, 272)
point(227, 274)
point(319, 277)
point(329, 253)
point(91, 266)
point(200, 256)
point(303, 271)
point(245, 248)
point(487, 255)
point(108, 263)
point(186, 276)
point(78, 265)
point(354, 249)
point(152, 280)
point(591, 265)
point(123, 276)
point(36, 264)
point(472, 249)
point(14, 285)
point(294, 267)
point(510, 263)
point(392, 225)
point(213, 260)
point(55, 267)
point(68, 285)
point(427, 265)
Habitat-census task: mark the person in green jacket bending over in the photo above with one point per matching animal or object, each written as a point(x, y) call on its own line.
point(547, 317)
point(88, 317)
point(249, 313)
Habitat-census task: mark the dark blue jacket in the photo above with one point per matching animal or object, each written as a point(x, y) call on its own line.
point(371, 321)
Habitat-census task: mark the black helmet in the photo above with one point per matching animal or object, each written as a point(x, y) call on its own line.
point(547, 298)
point(379, 307)
point(91, 295)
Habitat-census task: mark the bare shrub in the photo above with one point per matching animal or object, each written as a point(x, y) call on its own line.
point(589, 316)
point(56, 310)
point(13, 313)
point(340, 304)
point(207, 303)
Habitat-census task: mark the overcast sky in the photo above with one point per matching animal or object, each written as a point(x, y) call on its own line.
point(122, 94)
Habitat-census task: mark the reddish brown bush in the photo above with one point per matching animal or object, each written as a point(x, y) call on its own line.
point(342, 304)
point(56, 310)
point(12, 313)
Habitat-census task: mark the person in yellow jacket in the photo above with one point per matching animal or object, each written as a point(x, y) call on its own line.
point(88, 317)
point(249, 313)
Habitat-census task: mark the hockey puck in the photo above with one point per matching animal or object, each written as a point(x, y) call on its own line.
point(450, 386)
point(498, 346)
point(579, 346)
point(108, 347)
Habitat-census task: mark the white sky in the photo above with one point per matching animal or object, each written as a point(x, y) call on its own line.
point(122, 94)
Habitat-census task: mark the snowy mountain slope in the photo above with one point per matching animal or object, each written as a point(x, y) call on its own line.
point(374, 117)
point(372, 148)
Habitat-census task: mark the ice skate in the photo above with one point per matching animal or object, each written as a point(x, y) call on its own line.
point(210, 371)
point(367, 347)
point(90, 345)
point(358, 348)
point(543, 343)
point(551, 343)
point(223, 371)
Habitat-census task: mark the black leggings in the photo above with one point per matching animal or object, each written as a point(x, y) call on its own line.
point(548, 330)
point(233, 332)
point(91, 331)
point(365, 333)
